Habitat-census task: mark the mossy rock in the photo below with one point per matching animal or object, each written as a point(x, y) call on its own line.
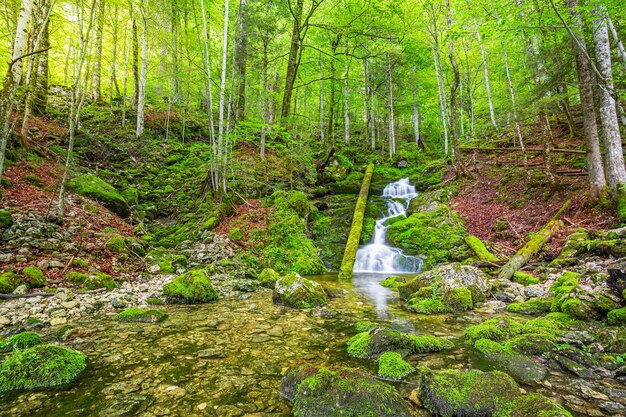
point(191, 287)
point(444, 277)
point(294, 291)
point(77, 278)
point(530, 307)
point(364, 326)
point(131, 195)
point(100, 280)
point(617, 317)
point(20, 341)
point(41, 367)
point(532, 405)
point(236, 234)
point(438, 300)
point(520, 367)
point(140, 315)
point(36, 278)
point(342, 392)
point(480, 250)
point(33, 180)
point(393, 282)
point(370, 343)
point(579, 309)
point(9, 281)
point(532, 343)
point(116, 244)
point(392, 366)
point(496, 329)
point(524, 278)
point(471, 393)
point(268, 278)
point(6, 219)
point(93, 187)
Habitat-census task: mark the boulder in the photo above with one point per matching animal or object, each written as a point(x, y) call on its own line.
point(448, 276)
point(520, 367)
point(382, 339)
point(93, 187)
point(294, 291)
point(392, 366)
point(342, 392)
point(268, 278)
point(532, 405)
point(191, 288)
point(39, 367)
point(20, 341)
point(141, 315)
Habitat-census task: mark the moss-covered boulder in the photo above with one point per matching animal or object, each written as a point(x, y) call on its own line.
point(524, 278)
point(393, 282)
point(572, 248)
point(532, 306)
point(100, 280)
point(534, 344)
point(437, 300)
point(191, 287)
point(435, 233)
point(470, 394)
point(39, 367)
point(93, 187)
point(520, 367)
point(294, 291)
point(6, 219)
point(35, 277)
point(392, 366)
point(268, 277)
point(140, 315)
point(20, 341)
point(448, 276)
point(496, 329)
point(617, 317)
point(9, 281)
point(370, 343)
point(342, 392)
point(116, 244)
point(532, 405)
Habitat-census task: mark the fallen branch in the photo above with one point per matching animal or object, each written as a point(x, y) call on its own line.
point(534, 245)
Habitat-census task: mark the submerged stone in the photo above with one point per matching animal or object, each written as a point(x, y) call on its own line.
point(43, 366)
point(470, 393)
point(532, 405)
point(520, 367)
point(141, 315)
point(295, 291)
point(341, 392)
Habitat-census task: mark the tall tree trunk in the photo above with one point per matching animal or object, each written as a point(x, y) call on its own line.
point(597, 180)
point(114, 87)
point(264, 110)
point(145, 57)
point(615, 171)
point(294, 55)
point(242, 58)
point(97, 64)
point(347, 95)
point(333, 77)
point(486, 68)
point(322, 111)
point(220, 138)
point(14, 75)
point(453, 96)
point(392, 127)
point(443, 105)
point(416, 113)
point(135, 55)
point(214, 167)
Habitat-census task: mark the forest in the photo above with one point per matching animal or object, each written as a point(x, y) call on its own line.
point(313, 208)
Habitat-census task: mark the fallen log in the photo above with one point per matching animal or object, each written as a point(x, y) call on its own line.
point(349, 256)
point(534, 245)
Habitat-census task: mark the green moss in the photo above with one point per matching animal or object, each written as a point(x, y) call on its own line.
point(392, 366)
point(497, 329)
point(80, 263)
point(531, 306)
point(295, 291)
point(358, 344)
point(532, 343)
point(427, 305)
point(562, 319)
point(349, 256)
point(372, 342)
point(578, 308)
point(100, 280)
point(191, 287)
point(364, 326)
point(567, 279)
point(433, 300)
point(166, 267)
point(268, 277)
point(43, 366)
point(141, 315)
point(617, 317)
point(524, 278)
point(6, 219)
point(532, 405)
point(392, 282)
point(36, 278)
point(470, 394)
point(235, 234)
point(621, 201)
point(428, 344)
point(77, 278)
point(20, 341)
point(154, 301)
point(131, 195)
point(458, 299)
point(116, 244)
point(9, 281)
point(33, 180)
point(480, 249)
point(93, 187)
point(520, 367)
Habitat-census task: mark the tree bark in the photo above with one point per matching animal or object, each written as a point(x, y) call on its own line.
point(294, 53)
point(453, 96)
point(145, 58)
point(135, 55)
point(221, 152)
point(416, 113)
point(347, 95)
point(392, 127)
point(242, 58)
point(97, 65)
point(486, 68)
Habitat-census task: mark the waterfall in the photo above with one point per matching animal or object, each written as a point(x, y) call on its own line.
point(377, 255)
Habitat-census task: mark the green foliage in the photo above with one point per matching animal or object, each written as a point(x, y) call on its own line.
point(141, 315)
point(6, 219)
point(99, 190)
point(9, 281)
point(100, 280)
point(392, 366)
point(20, 341)
point(36, 278)
point(42, 366)
point(236, 234)
point(191, 287)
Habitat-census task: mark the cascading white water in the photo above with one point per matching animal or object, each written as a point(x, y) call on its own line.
point(377, 256)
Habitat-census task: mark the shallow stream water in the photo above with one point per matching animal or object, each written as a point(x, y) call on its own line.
point(226, 358)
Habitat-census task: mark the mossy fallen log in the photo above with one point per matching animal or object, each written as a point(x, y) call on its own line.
point(349, 255)
point(479, 248)
point(534, 245)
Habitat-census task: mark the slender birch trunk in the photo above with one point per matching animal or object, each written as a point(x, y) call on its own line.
point(145, 57)
point(416, 113)
point(486, 68)
point(220, 138)
point(392, 127)
point(322, 112)
point(346, 97)
point(97, 65)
